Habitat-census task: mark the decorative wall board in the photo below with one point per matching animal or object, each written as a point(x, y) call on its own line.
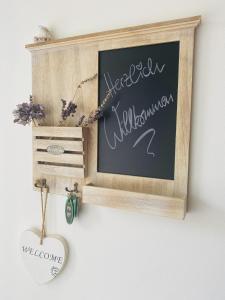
point(59, 66)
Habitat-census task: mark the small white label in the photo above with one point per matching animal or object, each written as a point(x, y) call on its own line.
point(55, 149)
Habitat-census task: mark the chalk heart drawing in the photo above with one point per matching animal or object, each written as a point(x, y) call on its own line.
point(139, 66)
point(44, 262)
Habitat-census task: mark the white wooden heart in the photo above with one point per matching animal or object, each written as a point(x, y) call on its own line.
point(44, 262)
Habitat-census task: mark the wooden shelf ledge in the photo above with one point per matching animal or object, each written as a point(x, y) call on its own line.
point(184, 23)
point(148, 203)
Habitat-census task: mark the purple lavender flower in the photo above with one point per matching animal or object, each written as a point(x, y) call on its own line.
point(25, 113)
point(68, 109)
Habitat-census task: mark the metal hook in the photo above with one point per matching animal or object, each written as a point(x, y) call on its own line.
point(75, 190)
point(41, 183)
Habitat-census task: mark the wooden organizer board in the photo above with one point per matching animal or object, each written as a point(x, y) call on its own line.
point(58, 66)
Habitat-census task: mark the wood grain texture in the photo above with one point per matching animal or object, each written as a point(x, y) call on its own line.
point(59, 170)
point(76, 146)
point(59, 66)
point(65, 132)
point(155, 204)
point(74, 159)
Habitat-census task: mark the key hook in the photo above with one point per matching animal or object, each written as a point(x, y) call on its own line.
point(75, 190)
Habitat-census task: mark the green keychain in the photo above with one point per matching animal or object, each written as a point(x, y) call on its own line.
point(71, 208)
point(75, 205)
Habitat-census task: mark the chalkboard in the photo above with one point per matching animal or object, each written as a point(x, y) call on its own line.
point(137, 134)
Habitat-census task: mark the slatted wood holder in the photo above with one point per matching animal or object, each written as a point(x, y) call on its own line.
point(59, 152)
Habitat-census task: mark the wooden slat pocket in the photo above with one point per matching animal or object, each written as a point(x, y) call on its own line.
point(59, 151)
point(61, 171)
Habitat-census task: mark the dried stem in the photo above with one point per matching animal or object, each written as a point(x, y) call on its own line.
point(34, 122)
point(94, 115)
point(82, 83)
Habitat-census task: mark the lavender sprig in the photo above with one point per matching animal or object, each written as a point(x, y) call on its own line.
point(84, 121)
point(68, 109)
point(25, 113)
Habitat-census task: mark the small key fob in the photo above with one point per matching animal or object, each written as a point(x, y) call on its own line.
point(71, 208)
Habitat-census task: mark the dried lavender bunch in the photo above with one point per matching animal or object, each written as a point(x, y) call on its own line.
point(25, 113)
point(90, 119)
point(94, 115)
point(68, 109)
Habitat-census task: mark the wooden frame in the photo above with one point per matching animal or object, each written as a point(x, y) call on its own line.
point(54, 64)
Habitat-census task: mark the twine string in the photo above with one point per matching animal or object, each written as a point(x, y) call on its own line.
point(43, 212)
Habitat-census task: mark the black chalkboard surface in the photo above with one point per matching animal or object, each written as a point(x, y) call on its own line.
point(137, 134)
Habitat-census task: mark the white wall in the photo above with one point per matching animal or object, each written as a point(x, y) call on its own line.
point(116, 254)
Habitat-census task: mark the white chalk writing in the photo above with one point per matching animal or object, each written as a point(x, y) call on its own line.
point(136, 72)
point(129, 121)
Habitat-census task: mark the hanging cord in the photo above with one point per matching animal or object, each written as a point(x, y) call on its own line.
point(43, 212)
point(42, 204)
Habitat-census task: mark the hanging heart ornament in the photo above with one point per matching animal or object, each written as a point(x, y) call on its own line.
point(44, 262)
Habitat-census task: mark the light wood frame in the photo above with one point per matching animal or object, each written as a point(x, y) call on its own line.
point(59, 65)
